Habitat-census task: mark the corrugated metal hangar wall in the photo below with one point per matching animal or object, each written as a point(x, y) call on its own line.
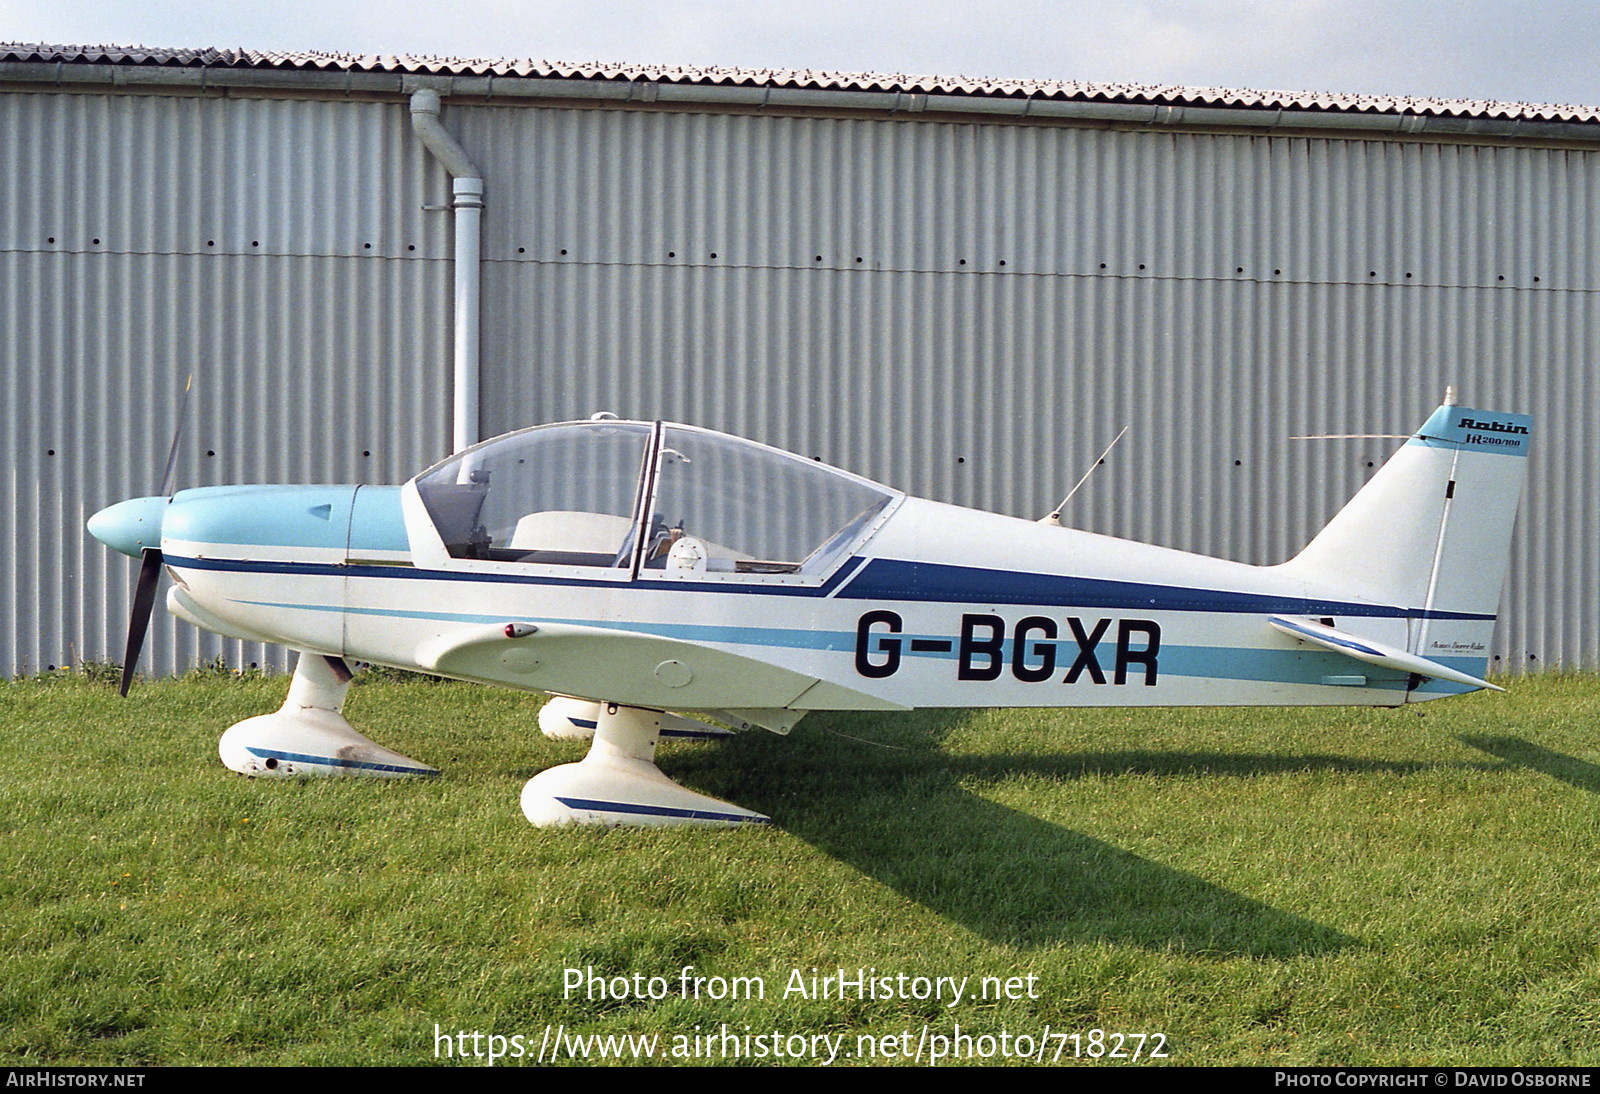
point(965, 307)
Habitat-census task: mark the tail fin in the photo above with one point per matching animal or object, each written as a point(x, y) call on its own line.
point(1431, 532)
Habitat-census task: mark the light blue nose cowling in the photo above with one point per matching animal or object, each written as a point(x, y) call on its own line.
point(130, 526)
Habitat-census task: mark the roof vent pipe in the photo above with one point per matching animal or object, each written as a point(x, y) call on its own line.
point(467, 188)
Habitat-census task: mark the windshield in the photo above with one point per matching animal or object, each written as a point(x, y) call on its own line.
point(559, 495)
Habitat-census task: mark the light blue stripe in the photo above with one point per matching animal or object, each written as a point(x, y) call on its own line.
point(1472, 666)
point(1197, 662)
point(688, 632)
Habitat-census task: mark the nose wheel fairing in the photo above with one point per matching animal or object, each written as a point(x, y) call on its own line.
point(308, 735)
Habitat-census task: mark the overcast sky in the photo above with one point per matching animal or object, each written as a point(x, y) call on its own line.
point(1533, 51)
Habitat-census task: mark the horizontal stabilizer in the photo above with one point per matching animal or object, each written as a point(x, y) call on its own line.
point(1372, 651)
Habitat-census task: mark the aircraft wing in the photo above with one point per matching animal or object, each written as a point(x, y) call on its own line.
point(624, 666)
point(1372, 651)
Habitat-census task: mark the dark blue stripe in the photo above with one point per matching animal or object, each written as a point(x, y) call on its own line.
point(851, 566)
point(892, 579)
point(696, 734)
point(693, 734)
point(339, 569)
point(1318, 636)
point(324, 761)
point(411, 573)
point(885, 579)
point(658, 811)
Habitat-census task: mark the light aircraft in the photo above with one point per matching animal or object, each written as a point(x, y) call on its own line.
point(633, 568)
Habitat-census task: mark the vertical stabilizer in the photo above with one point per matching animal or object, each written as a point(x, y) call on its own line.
point(1431, 531)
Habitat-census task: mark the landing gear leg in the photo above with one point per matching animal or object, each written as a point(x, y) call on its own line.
point(309, 736)
point(565, 719)
point(619, 783)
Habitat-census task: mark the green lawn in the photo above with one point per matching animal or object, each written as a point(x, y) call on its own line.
point(1259, 887)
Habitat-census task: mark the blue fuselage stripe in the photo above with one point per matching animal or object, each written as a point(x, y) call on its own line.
point(1337, 640)
point(694, 734)
point(659, 811)
point(1287, 666)
point(412, 573)
point(892, 580)
point(886, 579)
point(325, 761)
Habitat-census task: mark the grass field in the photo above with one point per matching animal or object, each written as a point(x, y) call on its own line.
point(1260, 887)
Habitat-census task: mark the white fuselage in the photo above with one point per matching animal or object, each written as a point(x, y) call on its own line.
point(937, 606)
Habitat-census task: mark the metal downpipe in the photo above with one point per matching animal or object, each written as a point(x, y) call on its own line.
point(467, 202)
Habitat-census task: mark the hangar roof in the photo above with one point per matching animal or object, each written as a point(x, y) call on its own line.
point(963, 93)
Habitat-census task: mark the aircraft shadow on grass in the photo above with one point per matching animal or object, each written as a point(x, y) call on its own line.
point(907, 816)
point(1558, 765)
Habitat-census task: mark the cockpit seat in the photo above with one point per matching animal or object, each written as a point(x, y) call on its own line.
point(588, 538)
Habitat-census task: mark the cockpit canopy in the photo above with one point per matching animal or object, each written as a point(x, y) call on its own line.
point(647, 496)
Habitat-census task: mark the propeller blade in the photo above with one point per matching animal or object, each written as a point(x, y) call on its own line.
point(177, 434)
point(144, 603)
point(144, 592)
